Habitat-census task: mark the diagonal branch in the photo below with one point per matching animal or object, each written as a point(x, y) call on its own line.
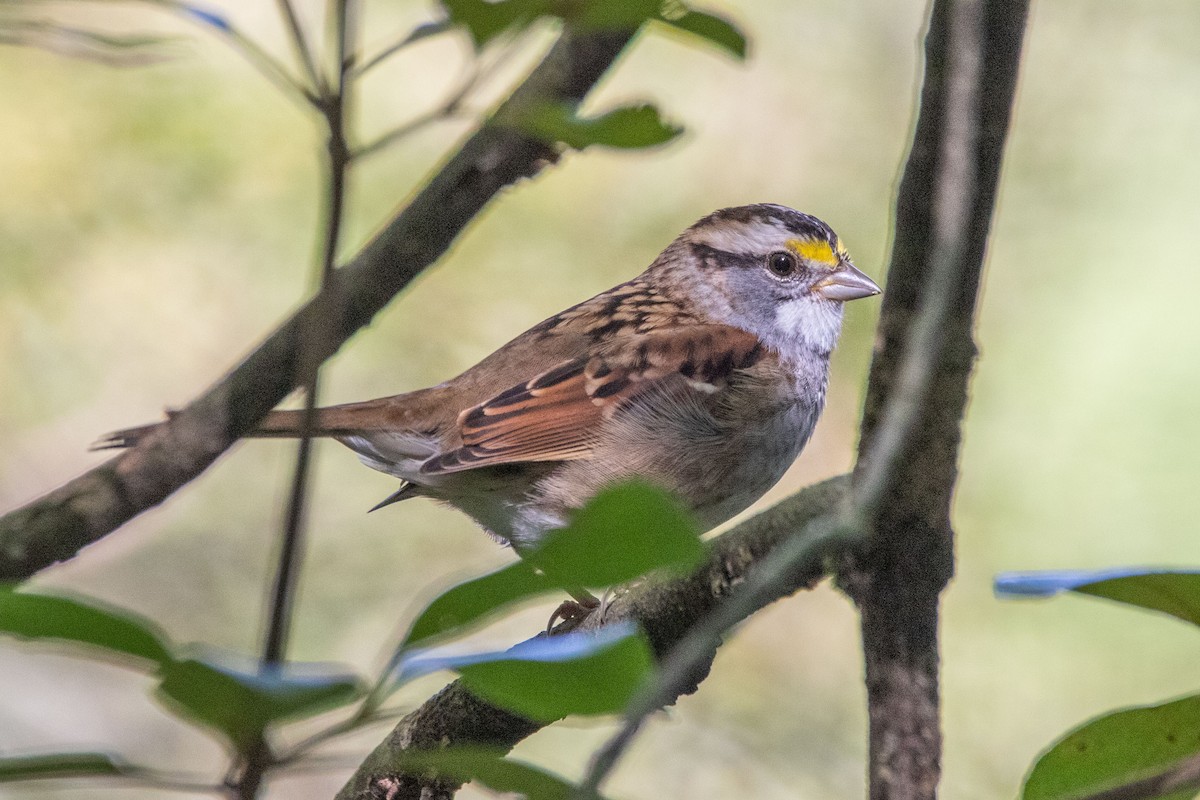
point(89, 507)
point(667, 611)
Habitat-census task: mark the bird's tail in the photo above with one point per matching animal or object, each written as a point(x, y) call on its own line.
point(335, 421)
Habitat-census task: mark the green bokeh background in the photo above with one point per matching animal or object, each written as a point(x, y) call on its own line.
point(157, 221)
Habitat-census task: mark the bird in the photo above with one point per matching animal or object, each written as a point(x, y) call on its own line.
point(704, 375)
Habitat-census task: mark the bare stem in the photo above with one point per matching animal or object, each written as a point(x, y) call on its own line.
point(423, 32)
point(300, 45)
point(313, 342)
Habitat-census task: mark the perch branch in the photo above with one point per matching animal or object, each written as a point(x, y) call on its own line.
point(666, 610)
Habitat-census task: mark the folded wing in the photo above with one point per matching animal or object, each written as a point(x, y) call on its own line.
point(557, 415)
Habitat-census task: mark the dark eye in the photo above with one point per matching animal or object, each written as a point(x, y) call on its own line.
point(782, 264)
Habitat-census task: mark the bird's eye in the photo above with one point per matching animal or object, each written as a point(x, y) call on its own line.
point(782, 264)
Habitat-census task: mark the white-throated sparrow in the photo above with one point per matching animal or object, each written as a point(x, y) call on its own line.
point(705, 375)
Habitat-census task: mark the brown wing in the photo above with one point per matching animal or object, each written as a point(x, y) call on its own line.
point(556, 415)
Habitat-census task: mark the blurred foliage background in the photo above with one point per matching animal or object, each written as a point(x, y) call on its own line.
point(157, 221)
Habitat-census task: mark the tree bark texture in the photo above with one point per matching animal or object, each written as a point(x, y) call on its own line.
point(972, 53)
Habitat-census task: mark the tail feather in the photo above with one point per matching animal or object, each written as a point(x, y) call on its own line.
point(127, 437)
point(356, 424)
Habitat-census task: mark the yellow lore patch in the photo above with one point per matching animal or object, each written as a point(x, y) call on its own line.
point(813, 250)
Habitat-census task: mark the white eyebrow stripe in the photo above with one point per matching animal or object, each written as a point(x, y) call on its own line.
point(740, 237)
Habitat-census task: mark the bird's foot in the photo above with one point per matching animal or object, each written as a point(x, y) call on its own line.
point(573, 612)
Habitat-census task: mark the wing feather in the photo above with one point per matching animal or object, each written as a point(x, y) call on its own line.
point(557, 415)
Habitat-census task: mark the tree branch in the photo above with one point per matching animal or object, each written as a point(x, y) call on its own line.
point(665, 610)
point(943, 214)
point(89, 507)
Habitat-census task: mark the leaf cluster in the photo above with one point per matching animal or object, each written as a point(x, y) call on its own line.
point(1133, 752)
point(621, 535)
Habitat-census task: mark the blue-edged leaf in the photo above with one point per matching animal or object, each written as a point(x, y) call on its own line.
point(1117, 749)
point(58, 765)
point(487, 19)
point(473, 600)
point(622, 533)
point(628, 128)
point(415, 663)
point(489, 768)
point(545, 680)
point(712, 28)
point(1174, 592)
point(50, 617)
point(240, 702)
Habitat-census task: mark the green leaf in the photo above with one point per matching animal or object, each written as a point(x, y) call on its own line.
point(1117, 749)
point(1174, 592)
point(240, 704)
point(712, 28)
point(472, 601)
point(600, 682)
point(629, 127)
point(621, 534)
point(612, 14)
point(488, 767)
point(57, 765)
point(43, 616)
point(485, 20)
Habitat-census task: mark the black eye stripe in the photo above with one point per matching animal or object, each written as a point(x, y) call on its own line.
point(715, 258)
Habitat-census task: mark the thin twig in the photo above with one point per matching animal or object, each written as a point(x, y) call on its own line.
point(312, 344)
point(476, 72)
point(357, 70)
point(300, 45)
point(137, 776)
point(258, 58)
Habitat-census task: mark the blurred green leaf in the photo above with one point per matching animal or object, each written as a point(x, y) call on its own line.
point(600, 682)
point(1117, 749)
point(629, 127)
point(486, 20)
point(621, 534)
point(470, 602)
point(241, 704)
point(562, 647)
point(612, 14)
point(1174, 593)
point(711, 28)
point(489, 768)
point(57, 765)
point(42, 616)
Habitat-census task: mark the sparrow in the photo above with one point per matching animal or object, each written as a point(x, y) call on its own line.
point(704, 375)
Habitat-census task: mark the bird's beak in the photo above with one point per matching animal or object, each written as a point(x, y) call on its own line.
point(848, 283)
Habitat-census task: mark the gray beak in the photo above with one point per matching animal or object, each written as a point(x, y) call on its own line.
point(848, 283)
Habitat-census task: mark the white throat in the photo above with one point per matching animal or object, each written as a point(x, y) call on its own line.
point(805, 325)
